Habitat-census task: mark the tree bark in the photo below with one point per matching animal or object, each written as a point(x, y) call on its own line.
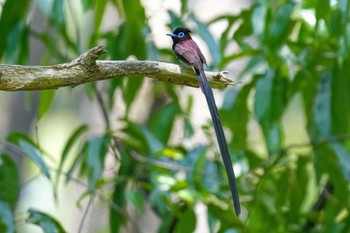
point(87, 68)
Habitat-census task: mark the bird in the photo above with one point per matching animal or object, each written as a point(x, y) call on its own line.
point(188, 52)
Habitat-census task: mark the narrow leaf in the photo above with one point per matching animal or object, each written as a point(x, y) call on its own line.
point(46, 98)
point(11, 15)
point(46, 222)
point(31, 150)
point(71, 142)
point(9, 181)
point(68, 147)
point(164, 119)
point(281, 25)
point(34, 155)
point(6, 218)
point(187, 222)
point(96, 153)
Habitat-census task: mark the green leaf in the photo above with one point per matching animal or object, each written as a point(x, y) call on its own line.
point(200, 172)
point(255, 160)
point(46, 222)
point(299, 187)
point(141, 138)
point(172, 153)
point(322, 9)
point(226, 36)
point(340, 101)
point(259, 20)
point(343, 6)
point(77, 133)
point(87, 4)
point(226, 217)
point(16, 137)
point(175, 20)
point(17, 44)
point(11, 16)
point(78, 160)
point(6, 218)
point(271, 98)
point(281, 25)
point(132, 86)
point(238, 55)
point(184, 7)
point(116, 216)
point(96, 153)
point(343, 159)
point(306, 82)
point(9, 186)
point(187, 222)
point(203, 30)
point(69, 145)
point(164, 119)
point(9, 181)
point(100, 9)
point(132, 8)
point(54, 11)
point(30, 149)
point(57, 14)
point(189, 131)
point(130, 39)
point(51, 48)
point(46, 99)
point(136, 200)
point(45, 7)
point(322, 109)
point(153, 143)
point(34, 155)
point(245, 29)
point(326, 162)
point(236, 115)
point(263, 96)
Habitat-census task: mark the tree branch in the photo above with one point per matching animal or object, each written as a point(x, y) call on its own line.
point(86, 69)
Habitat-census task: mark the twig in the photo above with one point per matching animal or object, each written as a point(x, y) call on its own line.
point(278, 155)
point(319, 206)
point(18, 151)
point(117, 145)
point(316, 142)
point(86, 69)
point(100, 195)
point(85, 213)
point(161, 164)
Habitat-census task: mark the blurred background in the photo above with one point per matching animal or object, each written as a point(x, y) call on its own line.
point(139, 155)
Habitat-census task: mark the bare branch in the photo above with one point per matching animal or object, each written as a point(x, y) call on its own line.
point(86, 69)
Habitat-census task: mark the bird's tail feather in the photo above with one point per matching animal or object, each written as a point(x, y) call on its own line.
point(207, 91)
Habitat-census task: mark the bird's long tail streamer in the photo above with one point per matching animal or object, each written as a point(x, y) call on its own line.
point(207, 91)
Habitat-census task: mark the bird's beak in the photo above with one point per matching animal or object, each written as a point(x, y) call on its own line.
point(171, 34)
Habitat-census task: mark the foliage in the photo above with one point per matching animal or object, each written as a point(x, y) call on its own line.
point(289, 119)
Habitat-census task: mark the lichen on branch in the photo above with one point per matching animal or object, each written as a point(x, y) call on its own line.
point(86, 68)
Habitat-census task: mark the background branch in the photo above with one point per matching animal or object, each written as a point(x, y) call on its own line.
point(86, 69)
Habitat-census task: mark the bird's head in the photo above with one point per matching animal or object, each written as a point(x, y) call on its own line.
point(180, 34)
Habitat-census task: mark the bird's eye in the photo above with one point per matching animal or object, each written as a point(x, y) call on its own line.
point(181, 34)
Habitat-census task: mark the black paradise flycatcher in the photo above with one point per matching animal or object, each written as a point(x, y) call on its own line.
point(188, 51)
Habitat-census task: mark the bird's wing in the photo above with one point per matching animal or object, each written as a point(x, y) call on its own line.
point(189, 52)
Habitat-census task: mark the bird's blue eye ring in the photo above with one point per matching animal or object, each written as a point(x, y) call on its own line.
point(181, 34)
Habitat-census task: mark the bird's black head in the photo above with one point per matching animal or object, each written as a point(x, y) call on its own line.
point(180, 34)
